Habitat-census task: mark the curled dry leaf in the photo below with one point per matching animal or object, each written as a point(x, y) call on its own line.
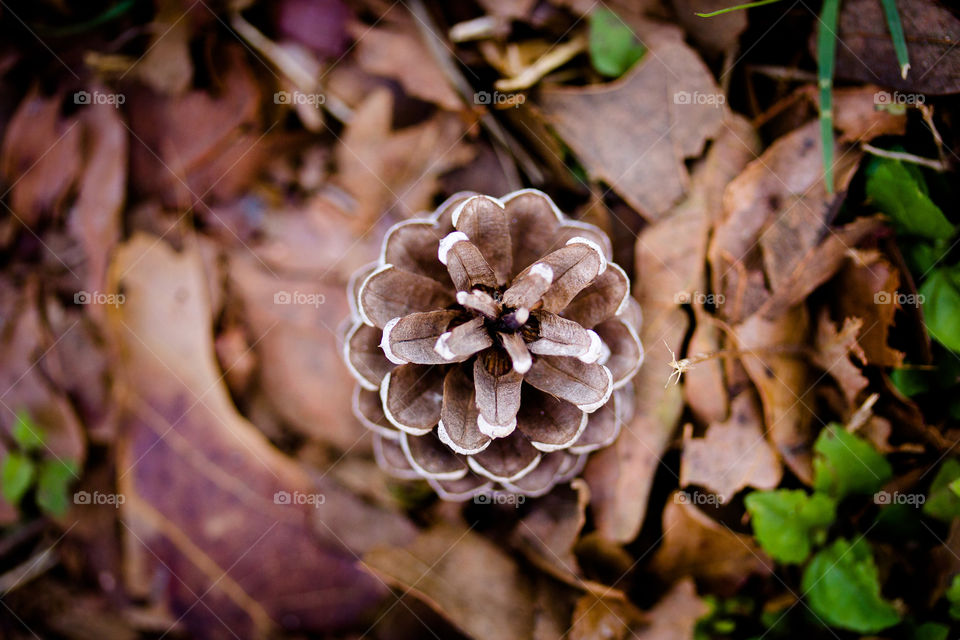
point(465, 578)
point(836, 350)
point(649, 172)
point(598, 617)
point(696, 545)
point(733, 454)
point(772, 360)
point(249, 552)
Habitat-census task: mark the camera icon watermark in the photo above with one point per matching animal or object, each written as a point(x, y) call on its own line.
point(902, 299)
point(885, 498)
point(499, 100)
point(698, 297)
point(500, 498)
point(698, 498)
point(98, 498)
point(98, 97)
point(99, 298)
point(299, 498)
point(299, 97)
point(715, 100)
point(299, 297)
point(886, 98)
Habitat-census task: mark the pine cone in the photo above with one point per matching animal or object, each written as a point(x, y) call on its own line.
point(493, 344)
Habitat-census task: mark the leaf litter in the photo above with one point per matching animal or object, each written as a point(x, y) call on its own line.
point(190, 188)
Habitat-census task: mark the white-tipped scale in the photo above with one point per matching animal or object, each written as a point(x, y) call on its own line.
point(455, 218)
point(441, 347)
point(593, 245)
point(446, 475)
point(590, 407)
point(547, 448)
point(384, 392)
point(543, 270)
point(496, 430)
point(594, 351)
point(385, 342)
point(363, 314)
point(447, 243)
point(447, 440)
point(479, 469)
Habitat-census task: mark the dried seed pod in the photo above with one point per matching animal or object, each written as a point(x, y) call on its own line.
point(501, 341)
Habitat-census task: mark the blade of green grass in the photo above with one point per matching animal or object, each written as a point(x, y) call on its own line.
point(748, 5)
point(896, 33)
point(826, 56)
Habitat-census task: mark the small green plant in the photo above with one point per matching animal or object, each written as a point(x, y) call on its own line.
point(840, 581)
point(24, 467)
point(613, 46)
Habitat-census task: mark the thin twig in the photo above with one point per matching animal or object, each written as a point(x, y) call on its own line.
point(936, 165)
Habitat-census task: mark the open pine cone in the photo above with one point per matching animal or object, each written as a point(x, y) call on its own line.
point(493, 344)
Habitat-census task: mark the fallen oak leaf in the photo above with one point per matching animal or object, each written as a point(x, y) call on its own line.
point(834, 350)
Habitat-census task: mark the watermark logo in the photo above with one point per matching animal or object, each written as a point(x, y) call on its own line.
point(902, 299)
point(698, 297)
point(97, 498)
point(497, 99)
point(500, 498)
point(885, 98)
point(886, 497)
point(99, 298)
point(299, 498)
point(698, 498)
point(98, 97)
point(299, 297)
point(299, 97)
point(713, 99)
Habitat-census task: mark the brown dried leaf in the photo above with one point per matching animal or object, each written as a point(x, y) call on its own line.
point(548, 533)
point(40, 157)
point(867, 55)
point(395, 171)
point(250, 557)
point(834, 349)
point(295, 344)
point(862, 282)
point(696, 545)
point(613, 127)
point(464, 577)
point(782, 378)
point(597, 617)
point(733, 454)
point(676, 614)
point(398, 52)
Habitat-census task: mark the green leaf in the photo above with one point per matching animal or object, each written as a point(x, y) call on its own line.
point(942, 502)
point(842, 586)
point(16, 475)
point(910, 382)
point(846, 464)
point(941, 306)
point(614, 48)
point(26, 433)
point(53, 483)
point(931, 631)
point(953, 597)
point(901, 194)
point(788, 523)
